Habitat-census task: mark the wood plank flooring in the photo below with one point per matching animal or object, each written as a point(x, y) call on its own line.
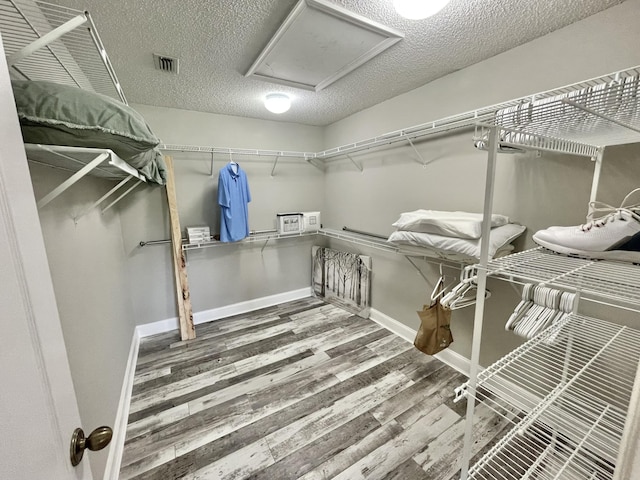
point(303, 390)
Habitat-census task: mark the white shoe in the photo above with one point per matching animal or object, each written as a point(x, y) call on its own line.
point(614, 236)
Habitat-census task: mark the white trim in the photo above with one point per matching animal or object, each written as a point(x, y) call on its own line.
point(456, 361)
point(169, 324)
point(400, 329)
point(448, 356)
point(116, 450)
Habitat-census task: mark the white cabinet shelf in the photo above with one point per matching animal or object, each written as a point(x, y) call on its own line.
point(567, 392)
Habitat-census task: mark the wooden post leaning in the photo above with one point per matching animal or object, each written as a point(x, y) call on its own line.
point(187, 330)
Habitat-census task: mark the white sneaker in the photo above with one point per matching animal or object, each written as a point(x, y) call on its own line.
point(614, 236)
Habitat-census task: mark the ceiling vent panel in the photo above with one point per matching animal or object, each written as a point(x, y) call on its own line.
point(318, 43)
point(166, 64)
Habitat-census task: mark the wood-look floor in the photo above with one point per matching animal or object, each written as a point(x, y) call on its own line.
point(303, 390)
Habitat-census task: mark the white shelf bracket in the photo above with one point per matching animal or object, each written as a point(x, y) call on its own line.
point(596, 177)
point(102, 199)
point(264, 246)
point(124, 194)
point(46, 39)
point(72, 179)
point(93, 31)
point(421, 160)
point(275, 163)
point(420, 272)
point(312, 161)
point(601, 115)
point(358, 166)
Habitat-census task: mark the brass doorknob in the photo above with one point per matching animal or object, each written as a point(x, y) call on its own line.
point(97, 440)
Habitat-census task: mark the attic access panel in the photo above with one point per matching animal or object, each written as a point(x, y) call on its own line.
point(319, 43)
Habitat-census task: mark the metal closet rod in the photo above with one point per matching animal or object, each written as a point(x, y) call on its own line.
point(360, 232)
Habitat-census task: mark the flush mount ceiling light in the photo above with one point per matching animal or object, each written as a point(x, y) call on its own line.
point(418, 9)
point(277, 102)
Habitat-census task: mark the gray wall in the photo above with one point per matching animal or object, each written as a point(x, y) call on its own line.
point(537, 192)
point(223, 275)
point(88, 267)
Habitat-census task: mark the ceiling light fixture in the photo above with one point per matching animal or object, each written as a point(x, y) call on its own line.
point(418, 9)
point(277, 102)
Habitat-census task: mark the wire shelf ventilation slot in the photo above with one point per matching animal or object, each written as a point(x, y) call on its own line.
point(75, 57)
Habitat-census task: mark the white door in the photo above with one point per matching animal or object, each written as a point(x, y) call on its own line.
point(38, 409)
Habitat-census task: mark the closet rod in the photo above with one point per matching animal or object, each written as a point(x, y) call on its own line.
point(360, 232)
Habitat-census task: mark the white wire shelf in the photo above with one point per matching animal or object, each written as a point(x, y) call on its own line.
point(602, 111)
point(368, 241)
point(573, 382)
point(383, 245)
point(81, 161)
point(224, 151)
point(260, 237)
point(73, 54)
point(543, 455)
point(73, 159)
point(543, 121)
point(519, 140)
point(600, 279)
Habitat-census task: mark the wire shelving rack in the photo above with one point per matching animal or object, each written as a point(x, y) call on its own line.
point(615, 281)
point(51, 42)
point(570, 386)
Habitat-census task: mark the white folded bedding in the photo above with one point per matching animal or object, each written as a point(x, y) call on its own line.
point(500, 237)
point(449, 224)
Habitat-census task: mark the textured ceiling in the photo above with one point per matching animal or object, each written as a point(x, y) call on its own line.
point(217, 40)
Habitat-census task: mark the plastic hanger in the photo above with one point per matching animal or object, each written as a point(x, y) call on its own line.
point(463, 300)
point(522, 307)
point(440, 289)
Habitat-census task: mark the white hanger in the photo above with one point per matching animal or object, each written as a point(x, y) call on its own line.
point(522, 307)
point(458, 297)
point(539, 308)
point(440, 289)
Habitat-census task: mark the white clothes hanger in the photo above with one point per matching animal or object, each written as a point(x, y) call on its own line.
point(459, 296)
point(440, 289)
point(234, 165)
point(539, 308)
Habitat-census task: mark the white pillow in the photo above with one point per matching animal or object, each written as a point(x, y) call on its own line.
point(449, 224)
point(499, 237)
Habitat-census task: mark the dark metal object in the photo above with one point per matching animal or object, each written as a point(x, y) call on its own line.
point(97, 440)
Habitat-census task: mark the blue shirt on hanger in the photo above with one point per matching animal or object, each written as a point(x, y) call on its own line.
point(233, 197)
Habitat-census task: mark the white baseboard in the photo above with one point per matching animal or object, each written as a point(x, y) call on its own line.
point(400, 329)
point(169, 324)
point(448, 356)
point(120, 425)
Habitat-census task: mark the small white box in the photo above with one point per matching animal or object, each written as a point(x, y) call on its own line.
point(290, 223)
point(311, 221)
point(198, 234)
